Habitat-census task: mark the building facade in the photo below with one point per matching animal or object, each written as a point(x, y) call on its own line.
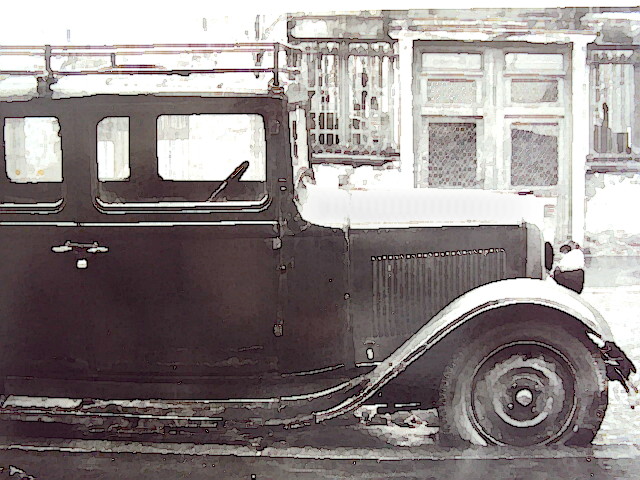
point(536, 101)
point(529, 101)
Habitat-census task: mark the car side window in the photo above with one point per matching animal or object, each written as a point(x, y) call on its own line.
point(113, 149)
point(33, 152)
point(31, 179)
point(210, 147)
point(194, 155)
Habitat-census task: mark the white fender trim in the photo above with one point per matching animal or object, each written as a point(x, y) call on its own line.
point(487, 297)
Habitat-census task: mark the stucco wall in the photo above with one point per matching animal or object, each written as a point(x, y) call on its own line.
point(612, 223)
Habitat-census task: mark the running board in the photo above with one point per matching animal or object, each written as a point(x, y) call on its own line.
point(161, 416)
point(116, 416)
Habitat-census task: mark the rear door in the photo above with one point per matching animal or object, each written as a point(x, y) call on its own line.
point(45, 330)
point(185, 280)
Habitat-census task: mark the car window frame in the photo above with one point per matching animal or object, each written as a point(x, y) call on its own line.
point(150, 115)
point(35, 192)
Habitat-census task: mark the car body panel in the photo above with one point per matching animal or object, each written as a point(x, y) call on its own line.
point(505, 293)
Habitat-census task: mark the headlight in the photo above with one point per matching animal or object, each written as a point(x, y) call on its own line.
point(548, 256)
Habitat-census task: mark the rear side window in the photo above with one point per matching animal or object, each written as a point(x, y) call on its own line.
point(209, 147)
point(33, 152)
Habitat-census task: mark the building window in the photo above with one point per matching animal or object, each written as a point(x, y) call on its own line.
point(353, 108)
point(490, 117)
point(534, 154)
point(614, 96)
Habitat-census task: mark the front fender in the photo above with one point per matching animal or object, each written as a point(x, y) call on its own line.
point(473, 303)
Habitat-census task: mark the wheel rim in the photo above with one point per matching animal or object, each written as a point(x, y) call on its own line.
point(523, 394)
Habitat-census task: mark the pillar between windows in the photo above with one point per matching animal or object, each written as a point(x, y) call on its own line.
point(406, 127)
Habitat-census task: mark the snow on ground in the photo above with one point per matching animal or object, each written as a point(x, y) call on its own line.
point(620, 307)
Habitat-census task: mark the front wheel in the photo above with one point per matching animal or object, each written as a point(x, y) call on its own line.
point(523, 384)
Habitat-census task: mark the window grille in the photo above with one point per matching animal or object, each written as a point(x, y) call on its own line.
point(615, 129)
point(352, 114)
point(534, 154)
point(452, 155)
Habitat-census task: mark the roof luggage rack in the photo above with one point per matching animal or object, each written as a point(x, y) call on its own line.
point(49, 63)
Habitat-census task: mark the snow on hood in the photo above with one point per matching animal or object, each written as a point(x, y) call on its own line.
point(338, 208)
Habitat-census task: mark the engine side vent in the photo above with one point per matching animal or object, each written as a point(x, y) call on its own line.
point(408, 289)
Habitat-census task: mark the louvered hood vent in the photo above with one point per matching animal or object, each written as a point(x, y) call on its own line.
point(408, 289)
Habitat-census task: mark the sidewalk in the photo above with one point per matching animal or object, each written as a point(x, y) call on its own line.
point(612, 286)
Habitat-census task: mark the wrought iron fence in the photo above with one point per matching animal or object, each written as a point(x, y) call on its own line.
point(353, 110)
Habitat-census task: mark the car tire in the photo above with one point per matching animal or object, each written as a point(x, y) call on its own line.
point(522, 383)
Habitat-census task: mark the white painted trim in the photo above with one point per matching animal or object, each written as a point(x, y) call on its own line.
point(27, 206)
point(406, 125)
point(38, 224)
point(323, 393)
point(496, 34)
point(41, 208)
point(580, 134)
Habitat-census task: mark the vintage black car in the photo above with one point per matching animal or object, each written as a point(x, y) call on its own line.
point(162, 254)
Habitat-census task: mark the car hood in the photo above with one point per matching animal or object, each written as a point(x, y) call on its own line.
point(396, 208)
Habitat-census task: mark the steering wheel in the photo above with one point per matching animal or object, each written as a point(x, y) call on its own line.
point(233, 176)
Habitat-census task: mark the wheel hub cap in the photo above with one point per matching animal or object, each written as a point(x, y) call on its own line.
point(524, 397)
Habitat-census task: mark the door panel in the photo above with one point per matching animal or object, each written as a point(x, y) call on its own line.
point(47, 328)
point(183, 299)
point(179, 300)
point(188, 286)
point(44, 328)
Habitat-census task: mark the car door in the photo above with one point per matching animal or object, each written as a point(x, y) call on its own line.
point(186, 279)
point(44, 329)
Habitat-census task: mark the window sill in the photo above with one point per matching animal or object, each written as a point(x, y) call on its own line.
point(183, 207)
point(353, 160)
point(32, 208)
point(613, 162)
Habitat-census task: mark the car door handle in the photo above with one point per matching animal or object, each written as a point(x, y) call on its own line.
point(62, 248)
point(68, 246)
